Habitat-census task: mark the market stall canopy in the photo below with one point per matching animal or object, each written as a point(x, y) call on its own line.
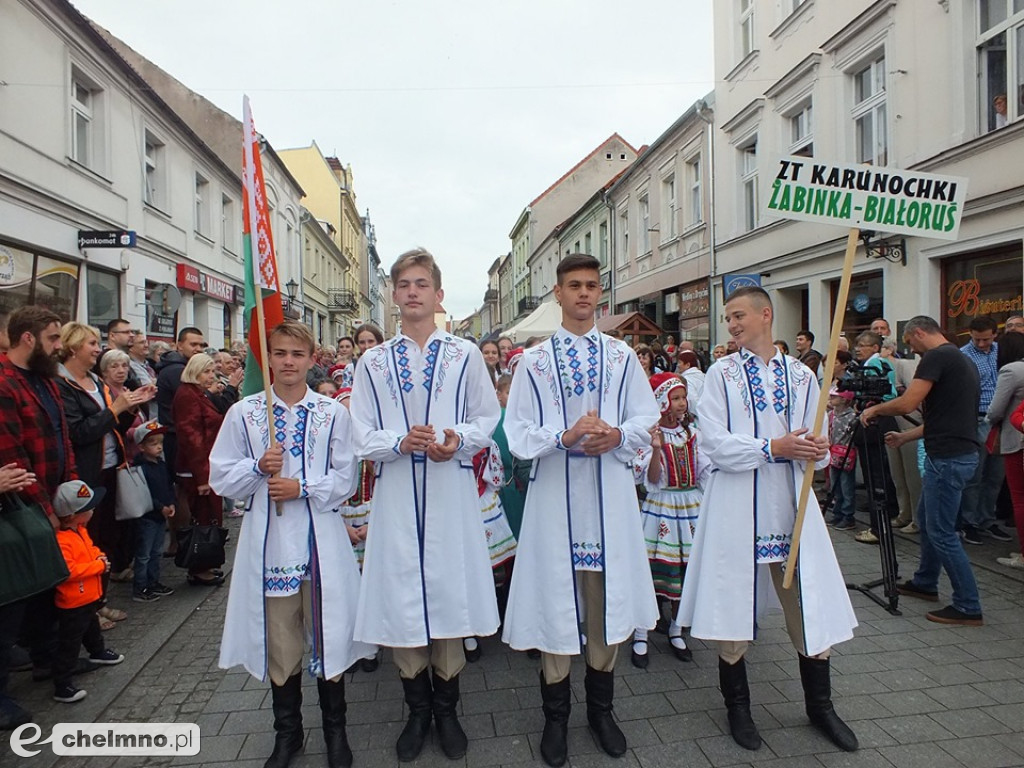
point(543, 321)
point(630, 324)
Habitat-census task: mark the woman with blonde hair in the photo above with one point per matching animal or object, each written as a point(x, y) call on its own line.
point(197, 421)
point(98, 423)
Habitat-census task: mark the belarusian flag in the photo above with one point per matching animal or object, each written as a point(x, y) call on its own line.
point(258, 247)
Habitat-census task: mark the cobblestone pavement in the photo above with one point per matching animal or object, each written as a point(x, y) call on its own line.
point(916, 693)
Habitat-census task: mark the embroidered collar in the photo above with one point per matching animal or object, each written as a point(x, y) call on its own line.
point(308, 401)
point(568, 339)
point(444, 336)
point(777, 360)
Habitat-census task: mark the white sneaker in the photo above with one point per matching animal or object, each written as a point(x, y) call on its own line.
point(1015, 560)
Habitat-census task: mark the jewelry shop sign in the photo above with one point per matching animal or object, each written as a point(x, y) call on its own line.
point(868, 197)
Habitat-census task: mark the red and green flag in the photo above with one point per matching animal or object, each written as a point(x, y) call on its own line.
point(261, 283)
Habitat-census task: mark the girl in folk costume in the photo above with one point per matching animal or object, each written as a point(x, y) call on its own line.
point(672, 469)
point(501, 543)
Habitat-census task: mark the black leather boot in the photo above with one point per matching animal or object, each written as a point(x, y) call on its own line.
point(287, 706)
point(815, 674)
point(418, 695)
point(733, 680)
point(557, 698)
point(332, 711)
point(600, 693)
point(446, 719)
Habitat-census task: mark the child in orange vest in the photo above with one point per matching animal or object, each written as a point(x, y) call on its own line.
point(78, 597)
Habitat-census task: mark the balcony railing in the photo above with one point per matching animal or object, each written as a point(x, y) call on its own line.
point(528, 304)
point(490, 295)
point(343, 301)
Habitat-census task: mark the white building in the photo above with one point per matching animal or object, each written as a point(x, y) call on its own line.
point(905, 84)
point(94, 137)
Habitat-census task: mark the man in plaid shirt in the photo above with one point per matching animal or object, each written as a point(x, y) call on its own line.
point(34, 436)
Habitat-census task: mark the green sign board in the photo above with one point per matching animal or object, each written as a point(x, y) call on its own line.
point(868, 197)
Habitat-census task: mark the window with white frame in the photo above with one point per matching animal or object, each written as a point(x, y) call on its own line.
point(588, 244)
point(87, 146)
point(869, 115)
point(228, 227)
point(696, 210)
point(602, 243)
point(644, 206)
point(154, 170)
point(746, 30)
point(668, 207)
point(622, 257)
point(1000, 46)
point(202, 204)
point(748, 182)
point(801, 132)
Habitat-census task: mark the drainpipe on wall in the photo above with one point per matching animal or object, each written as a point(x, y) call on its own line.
point(707, 114)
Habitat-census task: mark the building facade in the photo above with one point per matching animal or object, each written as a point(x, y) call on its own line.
point(661, 230)
point(330, 198)
point(326, 277)
point(862, 82)
point(87, 144)
point(535, 236)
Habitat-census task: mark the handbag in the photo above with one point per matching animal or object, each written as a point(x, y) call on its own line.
point(30, 557)
point(992, 441)
point(133, 496)
point(201, 547)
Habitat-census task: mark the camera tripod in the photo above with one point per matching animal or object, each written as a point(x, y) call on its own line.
point(857, 436)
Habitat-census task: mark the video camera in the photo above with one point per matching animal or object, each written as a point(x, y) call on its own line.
point(868, 384)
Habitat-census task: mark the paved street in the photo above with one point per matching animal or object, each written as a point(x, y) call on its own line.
point(916, 693)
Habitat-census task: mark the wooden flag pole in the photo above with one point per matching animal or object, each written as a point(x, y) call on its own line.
point(819, 416)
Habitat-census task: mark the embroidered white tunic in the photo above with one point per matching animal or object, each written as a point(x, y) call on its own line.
point(581, 512)
point(749, 508)
point(308, 541)
point(426, 571)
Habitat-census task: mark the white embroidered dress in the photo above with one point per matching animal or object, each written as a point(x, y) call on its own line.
point(749, 508)
point(426, 571)
point(670, 511)
point(308, 541)
point(581, 512)
point(501, 543)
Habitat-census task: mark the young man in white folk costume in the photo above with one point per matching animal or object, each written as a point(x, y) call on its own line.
point(422, 405)
point(295, 572)
point(755, 416)
point(580, 407)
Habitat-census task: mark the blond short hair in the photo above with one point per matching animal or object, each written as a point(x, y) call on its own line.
point(417, 257)
point(195, 366)
point(73, 335)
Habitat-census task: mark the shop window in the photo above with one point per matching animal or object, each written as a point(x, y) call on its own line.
point(31, 278)
point(863, 305)
point(104, 297)
point(981, 284)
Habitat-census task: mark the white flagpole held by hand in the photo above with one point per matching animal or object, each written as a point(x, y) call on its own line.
point(819, 415)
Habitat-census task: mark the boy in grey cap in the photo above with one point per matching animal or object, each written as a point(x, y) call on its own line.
point(78, 597)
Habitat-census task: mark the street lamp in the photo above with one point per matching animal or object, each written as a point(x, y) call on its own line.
point(292, 288)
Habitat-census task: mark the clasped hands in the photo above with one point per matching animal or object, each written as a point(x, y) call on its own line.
point(800, 445)
point(422, 438)
point(595, 434)
point(281, 488)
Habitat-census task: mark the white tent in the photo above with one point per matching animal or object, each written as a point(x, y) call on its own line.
point(543, 321)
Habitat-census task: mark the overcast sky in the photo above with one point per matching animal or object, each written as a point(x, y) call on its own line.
point(454, 114)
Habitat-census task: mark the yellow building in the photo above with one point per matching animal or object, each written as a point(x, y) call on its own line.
point(330, 198)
